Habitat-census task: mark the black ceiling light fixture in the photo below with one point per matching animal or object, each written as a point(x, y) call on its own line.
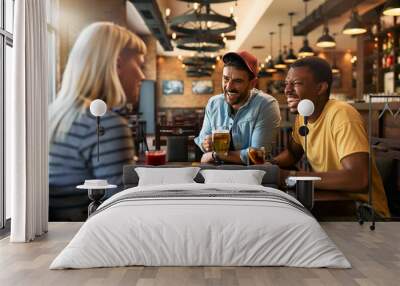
point(355, 26)
point(201, 28)
point(199, 61)
point(280, 63)
point(305, 50)
point(204, 19)
point(291, 57)
point(270, 68)
point(199, 69)
point(392, 8)
point(200, 43)
point(199, 65)
point(198, 73)
point(326, 40)
point(335, 69)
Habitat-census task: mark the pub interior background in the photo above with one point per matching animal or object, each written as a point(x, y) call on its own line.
point(175, 92)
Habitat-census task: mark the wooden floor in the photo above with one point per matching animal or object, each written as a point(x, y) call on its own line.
point(375, 257)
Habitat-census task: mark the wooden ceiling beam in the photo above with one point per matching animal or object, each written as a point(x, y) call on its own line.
point(151, 14)
point(328, 10)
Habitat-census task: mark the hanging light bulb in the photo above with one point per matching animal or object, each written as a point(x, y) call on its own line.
point(354, 26)
point(167, 14)
point(326, 40)
point(291, 57)
point(270, 68)
point(335, 68)
point(392, 8)
point(173, 36)
point(280, 64)
point(305, 50)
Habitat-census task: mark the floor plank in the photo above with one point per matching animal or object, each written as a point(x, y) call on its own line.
point(374, 255)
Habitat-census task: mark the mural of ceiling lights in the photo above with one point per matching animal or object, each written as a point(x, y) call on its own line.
point(279, 63)
point(392, 8)
point(291, 57)
point(199, 65)
point(355, 26)
point(305, 50)
point(201, 28)
point(200, 43)
point(270, 68)
point(326, 40)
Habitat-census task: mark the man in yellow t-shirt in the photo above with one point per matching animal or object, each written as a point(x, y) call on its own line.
point(337, 144)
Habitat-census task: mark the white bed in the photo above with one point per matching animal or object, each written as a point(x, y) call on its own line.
point(226, 225)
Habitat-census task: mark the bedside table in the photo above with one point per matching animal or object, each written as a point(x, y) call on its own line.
point(96, 191)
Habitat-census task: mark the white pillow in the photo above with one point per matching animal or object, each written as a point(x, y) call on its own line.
point(248, 177)
point(166, 176)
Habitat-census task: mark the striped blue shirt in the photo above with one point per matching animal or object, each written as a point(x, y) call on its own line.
point(74, 159)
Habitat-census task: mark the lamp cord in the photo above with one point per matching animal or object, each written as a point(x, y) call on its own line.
point(98, 138)
point(305, 145)
point(291, 30)
point(272, 34)
point(280, 38)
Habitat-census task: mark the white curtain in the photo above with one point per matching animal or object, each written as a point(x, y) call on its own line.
point(26, 119)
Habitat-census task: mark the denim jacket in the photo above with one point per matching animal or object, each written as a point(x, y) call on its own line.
point(254, 125)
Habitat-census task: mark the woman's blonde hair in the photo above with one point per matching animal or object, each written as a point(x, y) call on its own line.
point(91, 73)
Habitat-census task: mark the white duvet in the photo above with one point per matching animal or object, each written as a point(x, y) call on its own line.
point(185, 231)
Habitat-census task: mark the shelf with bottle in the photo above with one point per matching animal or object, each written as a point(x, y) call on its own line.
point(389, 53)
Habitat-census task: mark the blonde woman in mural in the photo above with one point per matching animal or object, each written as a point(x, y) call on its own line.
point(104, 63)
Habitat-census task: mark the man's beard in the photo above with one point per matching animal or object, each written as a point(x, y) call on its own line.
point(238, 98)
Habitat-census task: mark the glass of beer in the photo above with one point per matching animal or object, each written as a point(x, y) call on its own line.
point(221, 140)
point(256, 155)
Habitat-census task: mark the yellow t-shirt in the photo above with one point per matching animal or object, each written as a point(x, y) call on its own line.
point(338, 132)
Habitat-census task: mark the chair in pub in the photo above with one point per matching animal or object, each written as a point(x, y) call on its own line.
point(177, 140)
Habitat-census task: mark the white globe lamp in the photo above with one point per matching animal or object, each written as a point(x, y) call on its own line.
point(305, 107)
point(98, 108)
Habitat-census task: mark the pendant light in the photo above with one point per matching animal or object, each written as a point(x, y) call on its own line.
point(291, 57)
point(306, 50)
point(326, 40)
point(355, 26)
point(270, 68)
point(335, 68)
point(392, 8)
point(280, 64)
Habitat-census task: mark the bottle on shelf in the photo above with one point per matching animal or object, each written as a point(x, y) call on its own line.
point(390, 58)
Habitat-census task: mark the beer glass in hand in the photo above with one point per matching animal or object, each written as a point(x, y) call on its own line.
point(256, 155)
point(221, 141)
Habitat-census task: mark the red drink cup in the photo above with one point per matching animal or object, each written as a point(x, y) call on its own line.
point(155, 158)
